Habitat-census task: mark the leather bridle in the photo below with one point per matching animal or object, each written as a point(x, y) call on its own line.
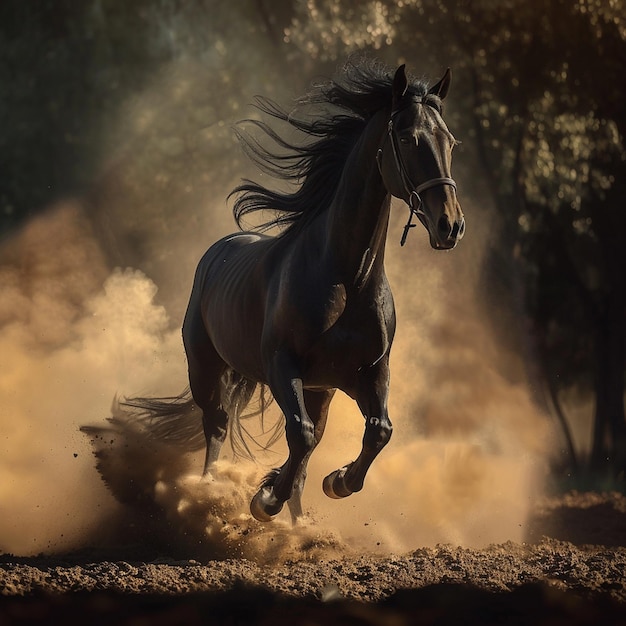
point(415, 202)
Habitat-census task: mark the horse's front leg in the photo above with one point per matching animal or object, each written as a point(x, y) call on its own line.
point(371, 395)
point(286, 386)
point(317, 404)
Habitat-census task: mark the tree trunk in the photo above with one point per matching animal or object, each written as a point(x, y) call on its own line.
point(608, 454)
point(557, 408)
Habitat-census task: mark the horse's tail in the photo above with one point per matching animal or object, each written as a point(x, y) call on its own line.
point(177, 420)
point(237, 394)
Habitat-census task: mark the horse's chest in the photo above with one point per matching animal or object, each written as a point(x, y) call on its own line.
point(363, 332)
point(358, 338)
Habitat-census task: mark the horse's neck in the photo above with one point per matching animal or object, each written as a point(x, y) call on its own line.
point(358, 218)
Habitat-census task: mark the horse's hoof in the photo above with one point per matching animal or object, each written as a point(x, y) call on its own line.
point(264, 506)
point(334, 484)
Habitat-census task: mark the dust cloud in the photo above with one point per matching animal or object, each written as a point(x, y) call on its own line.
point(464, 465)
point(71, 337)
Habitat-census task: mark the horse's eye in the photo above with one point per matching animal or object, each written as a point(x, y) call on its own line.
point(405, 140)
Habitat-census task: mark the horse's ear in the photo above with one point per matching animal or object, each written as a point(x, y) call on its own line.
point(400, 85)
point(441, 88)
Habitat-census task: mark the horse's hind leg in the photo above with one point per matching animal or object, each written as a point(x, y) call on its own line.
point(206, 368)
point(371, 395)
point(205, 388)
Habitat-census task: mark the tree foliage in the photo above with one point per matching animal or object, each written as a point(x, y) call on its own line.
point(548, 114)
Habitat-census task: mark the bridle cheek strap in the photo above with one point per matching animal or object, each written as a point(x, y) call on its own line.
point(415, 201)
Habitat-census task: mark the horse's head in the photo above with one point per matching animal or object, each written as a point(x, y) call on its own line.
point(415, 159)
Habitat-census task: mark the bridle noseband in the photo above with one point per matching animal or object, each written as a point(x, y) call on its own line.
point(415, 201)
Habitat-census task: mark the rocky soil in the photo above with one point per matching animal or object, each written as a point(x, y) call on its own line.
point(572, 570)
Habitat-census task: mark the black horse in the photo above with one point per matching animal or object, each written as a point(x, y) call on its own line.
point(310, 311)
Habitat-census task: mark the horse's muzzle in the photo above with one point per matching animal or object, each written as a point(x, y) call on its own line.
point(446, 233)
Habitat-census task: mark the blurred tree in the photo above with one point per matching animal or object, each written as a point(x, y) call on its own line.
point(551, 125)
point(545, 106)
point(128, 106)
point(69, 71)
point(63, 69)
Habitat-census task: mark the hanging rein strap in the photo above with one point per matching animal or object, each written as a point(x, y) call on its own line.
point(415, 200)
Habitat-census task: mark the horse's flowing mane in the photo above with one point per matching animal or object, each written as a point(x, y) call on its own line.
point(329, 118)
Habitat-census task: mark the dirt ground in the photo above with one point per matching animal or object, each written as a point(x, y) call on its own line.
point(571, 570)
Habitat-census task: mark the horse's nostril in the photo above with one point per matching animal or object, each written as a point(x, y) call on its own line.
point(457, 230)
point(443, 225)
